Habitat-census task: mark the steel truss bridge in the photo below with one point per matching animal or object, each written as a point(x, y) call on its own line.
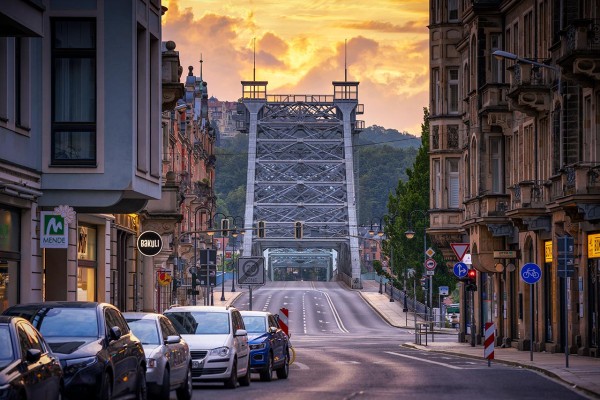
point(301, 169)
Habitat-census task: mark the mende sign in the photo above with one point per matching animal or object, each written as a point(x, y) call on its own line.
point(149, 243)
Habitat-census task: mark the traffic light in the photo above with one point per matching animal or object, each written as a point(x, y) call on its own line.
point(425, 282)
point(194, 280)
point(261, 229)
point(471, 282)
point(298, 230)
point(224, 227)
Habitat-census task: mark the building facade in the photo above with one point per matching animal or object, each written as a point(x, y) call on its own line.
point(515, 161)
point(81, 95)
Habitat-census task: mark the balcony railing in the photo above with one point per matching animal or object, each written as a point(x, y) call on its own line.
point(489, 205)
point(576, 180)
point(529, 194)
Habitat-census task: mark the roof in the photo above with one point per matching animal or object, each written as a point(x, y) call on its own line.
point(66, 304)
point(255, 313)
point(199, 308)
point(141, 315)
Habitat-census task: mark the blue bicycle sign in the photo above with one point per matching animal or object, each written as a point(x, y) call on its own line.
point(531, 273)
point(460, 269)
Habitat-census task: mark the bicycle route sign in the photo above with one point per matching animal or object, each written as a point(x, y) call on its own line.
point(251, 271)
point(531, 273)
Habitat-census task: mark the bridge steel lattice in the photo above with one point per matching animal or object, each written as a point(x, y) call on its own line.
point(301, 169)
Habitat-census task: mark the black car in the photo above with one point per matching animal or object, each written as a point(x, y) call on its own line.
point(28, 369)
point(100, 357)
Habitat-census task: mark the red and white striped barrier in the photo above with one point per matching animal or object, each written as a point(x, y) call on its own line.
point(283, 319)
point(488, 351)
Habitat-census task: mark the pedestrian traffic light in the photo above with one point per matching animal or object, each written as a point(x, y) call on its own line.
point(224, 227)
point(471, 282)
point(298, 230)
point(261, 229)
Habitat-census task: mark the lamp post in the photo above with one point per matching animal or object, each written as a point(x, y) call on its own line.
point(501, 54)
point(380, 233)
point(410, 233)
point(234, 234)
point(196, 211)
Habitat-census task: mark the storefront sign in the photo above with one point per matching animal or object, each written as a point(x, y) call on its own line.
point(54, 232)
point(149, 243)
point(594, 245)
point(548, 251)
point(505, 254)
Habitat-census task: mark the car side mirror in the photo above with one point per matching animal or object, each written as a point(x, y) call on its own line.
point(241, 332)
point(33, 355)
point(115, 333)
point(172, 339)
point(272, 330)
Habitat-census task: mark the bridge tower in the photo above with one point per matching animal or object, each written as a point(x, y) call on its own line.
point(301, 169)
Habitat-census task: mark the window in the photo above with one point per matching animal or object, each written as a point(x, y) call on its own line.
point(496, 167)
point(437, 184)
point(452, 10)
point(73, 92)
point(452, 182)
point(435, 83)
point(496, 64)
point(529, 34)
point(453, 90)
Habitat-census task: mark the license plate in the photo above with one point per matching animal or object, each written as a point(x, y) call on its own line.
point(197, 364)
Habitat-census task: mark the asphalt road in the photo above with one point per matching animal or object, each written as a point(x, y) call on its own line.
point(344, 350)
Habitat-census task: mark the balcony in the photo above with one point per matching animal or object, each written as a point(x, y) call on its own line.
point(486, 206)
point(576, 182)
point(580, 51)
point(528, 92)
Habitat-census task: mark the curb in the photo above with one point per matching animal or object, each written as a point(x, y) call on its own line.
point(511, 363)
point(383, 316)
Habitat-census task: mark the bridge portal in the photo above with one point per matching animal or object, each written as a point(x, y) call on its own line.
point(301, 169)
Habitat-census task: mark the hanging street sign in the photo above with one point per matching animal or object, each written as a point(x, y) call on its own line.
point(460, 249)
point(430, 264)
point(531, 273)
point(55, 231)
point(149, 243)
point(505, 254)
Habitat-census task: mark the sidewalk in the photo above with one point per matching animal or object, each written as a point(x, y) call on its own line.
point(583, 372)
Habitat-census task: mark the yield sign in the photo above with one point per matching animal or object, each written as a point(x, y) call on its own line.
point(460, 249)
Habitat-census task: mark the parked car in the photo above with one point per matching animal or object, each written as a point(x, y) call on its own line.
point(100, 357)
point(269, 345)
point(169, 365)
point(218, 343)
point(28, 369)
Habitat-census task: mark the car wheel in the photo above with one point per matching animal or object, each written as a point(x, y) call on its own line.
point(185, 391)
point(106, 389)
point(245, 380)
point(142, 389)
point(284, 370)
point(267, 373)
point(231, 383)
point(165, 389)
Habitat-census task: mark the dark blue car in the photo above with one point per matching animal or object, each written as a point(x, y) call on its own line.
point(269, 345)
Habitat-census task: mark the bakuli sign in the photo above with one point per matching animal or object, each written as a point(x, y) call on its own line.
point(54, 231)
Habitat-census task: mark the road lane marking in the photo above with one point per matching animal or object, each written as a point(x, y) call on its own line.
point(336, 316)
point(420, 359)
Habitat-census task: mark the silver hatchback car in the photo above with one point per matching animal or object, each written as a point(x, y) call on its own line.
point(169, 364)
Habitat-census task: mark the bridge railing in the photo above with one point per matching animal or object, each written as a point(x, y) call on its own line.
point(299, 98)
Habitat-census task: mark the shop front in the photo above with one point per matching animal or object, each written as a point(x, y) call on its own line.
point(10, 256)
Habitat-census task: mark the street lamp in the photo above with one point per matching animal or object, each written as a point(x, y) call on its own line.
point(410, 234)
point(380, 234)
point(196, 211)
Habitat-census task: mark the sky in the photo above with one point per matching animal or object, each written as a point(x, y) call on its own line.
point(300, 47)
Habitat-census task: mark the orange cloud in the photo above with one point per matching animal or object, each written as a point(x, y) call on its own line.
point(300, 50)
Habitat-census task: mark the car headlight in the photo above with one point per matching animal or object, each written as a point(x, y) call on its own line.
point(258, 346)
point(220, 351)
point(76, 364)
point(151, 362)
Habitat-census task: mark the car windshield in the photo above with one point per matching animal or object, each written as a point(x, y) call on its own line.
point(6, 352)
point(67, 322)
point(255, 324)
point(200, 322)
point(145, 329)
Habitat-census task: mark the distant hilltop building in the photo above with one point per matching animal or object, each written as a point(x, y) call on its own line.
point(221, 114)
